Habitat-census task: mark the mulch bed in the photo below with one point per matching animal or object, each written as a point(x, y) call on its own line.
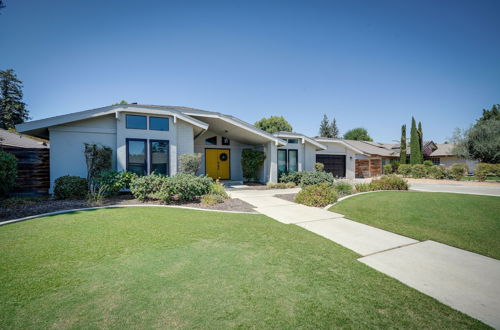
point(287, 197)
point(46, 205)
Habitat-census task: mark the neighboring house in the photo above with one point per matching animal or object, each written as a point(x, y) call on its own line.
point(32, 162)
point(147, 138)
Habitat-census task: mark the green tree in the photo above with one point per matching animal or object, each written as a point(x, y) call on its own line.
point(421, 141)
point(12, 108)
point(402, 146)
point(2, 5)
point(121, 102)
point(274, 124)
point(359, 134)
point(415, 151)
point(324, 128)
point(334, 130)
point(482, 140)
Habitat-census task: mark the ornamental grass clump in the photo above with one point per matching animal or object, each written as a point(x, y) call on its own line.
point(389, 182)
point(343, 188)
point(318, 195)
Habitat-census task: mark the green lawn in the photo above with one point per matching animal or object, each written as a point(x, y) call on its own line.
point(470, 222)
point(172, 268)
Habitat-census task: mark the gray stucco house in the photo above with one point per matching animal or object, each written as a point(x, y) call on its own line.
point(147, 138)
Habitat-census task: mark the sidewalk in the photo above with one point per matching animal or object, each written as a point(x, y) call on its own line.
point(466, 281)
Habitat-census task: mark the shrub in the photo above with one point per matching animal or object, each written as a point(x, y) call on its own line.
point(211, 199)
point(458, 171)
point(483, 170)
point(319, 167)
point(113, 181)
point(291, 185)
point(218, 189)
point(96, 194)
point(251, 162)
point(147, 187)
point(281, 185)
point(404, 170)
point(311, 178)
point(428, 163)
point(389, 182)
point(294, 177)
point(70, 187)
point(395, 166)
point(190, 163)
point(362, 187)
point(343, 188)
point(184, 187)
point(320, 194)
point(98, 159)
point(8, 172)
point(418, 171)
point(387, 169)
point(437, 172)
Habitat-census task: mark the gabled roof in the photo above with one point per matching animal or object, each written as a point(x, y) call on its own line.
point(304, 138)
point(443, 150)
point(12, 139)
point(339, 141)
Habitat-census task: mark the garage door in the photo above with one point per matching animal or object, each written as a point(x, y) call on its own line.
point(334, 164)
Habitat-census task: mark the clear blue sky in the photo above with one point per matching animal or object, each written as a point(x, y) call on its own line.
point(367, 63)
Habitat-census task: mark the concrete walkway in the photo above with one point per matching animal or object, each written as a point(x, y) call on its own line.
point(466, 281)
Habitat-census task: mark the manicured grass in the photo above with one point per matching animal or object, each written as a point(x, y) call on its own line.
point(470, 222)
point(171, 268)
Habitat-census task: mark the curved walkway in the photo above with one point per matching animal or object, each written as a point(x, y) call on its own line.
point(466, 281)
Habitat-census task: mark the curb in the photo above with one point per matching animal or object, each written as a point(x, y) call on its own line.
point(7, 222)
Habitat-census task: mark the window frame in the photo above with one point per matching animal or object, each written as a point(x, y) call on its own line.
point(296, 159)
point(126, 122)
point(127, 140)
point(210, 144)
point(161, 130)
point(296, 141)
point(286, 160)
point(150, 158)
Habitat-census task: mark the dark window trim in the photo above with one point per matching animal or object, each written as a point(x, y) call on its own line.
point(296, 158)
point(161, 130)
point(142, 129)
point(293, 139)
point(286, 159)
point(151, 154)
point(209, 144)
point(146, 155)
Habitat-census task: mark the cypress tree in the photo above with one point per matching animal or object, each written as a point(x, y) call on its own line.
point(12, 108)
point(334, 130)
point(415, 154)
point(421, 141)
point(324, 128)
point(402, 146)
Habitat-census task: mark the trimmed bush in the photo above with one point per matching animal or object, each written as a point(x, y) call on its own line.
point(190, 163)
point(404, 170)
point(387, 169)
point(389, 182)
point(362, 187)
point(113, 181)
point(458, 171)
point(312, 178)
point(319, 167)
point(319, 195)
point(343, 188)
point(184, 187)
point(483, 170)
point(147, 186)
point(71, 187)
point(395, 166)
point(251, 162)
point(281, 185)
point(437, 172)
point(8, 172)
point(294, 177)
point(418, 171)
point(428, 163)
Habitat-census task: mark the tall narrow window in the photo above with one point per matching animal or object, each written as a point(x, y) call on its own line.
point(293, 160)
point(136, 156)
point(136, 122)
point(281, 161)
point(159, 157)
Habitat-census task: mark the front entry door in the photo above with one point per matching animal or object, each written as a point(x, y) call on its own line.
point(217, 163)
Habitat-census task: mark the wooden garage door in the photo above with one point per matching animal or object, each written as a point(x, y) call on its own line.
point(334, 164)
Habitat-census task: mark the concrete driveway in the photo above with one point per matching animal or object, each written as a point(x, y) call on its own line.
point(491, 190)
point(466, 281)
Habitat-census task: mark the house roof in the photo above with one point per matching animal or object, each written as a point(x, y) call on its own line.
point(304, 138)
point(443, 150)
point(12, 139)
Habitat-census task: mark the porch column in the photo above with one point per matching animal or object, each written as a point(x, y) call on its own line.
point(272, 164)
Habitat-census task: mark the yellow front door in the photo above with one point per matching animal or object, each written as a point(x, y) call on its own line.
point(217, 163)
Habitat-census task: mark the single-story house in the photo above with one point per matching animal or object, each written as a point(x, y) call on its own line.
point(147, 138)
